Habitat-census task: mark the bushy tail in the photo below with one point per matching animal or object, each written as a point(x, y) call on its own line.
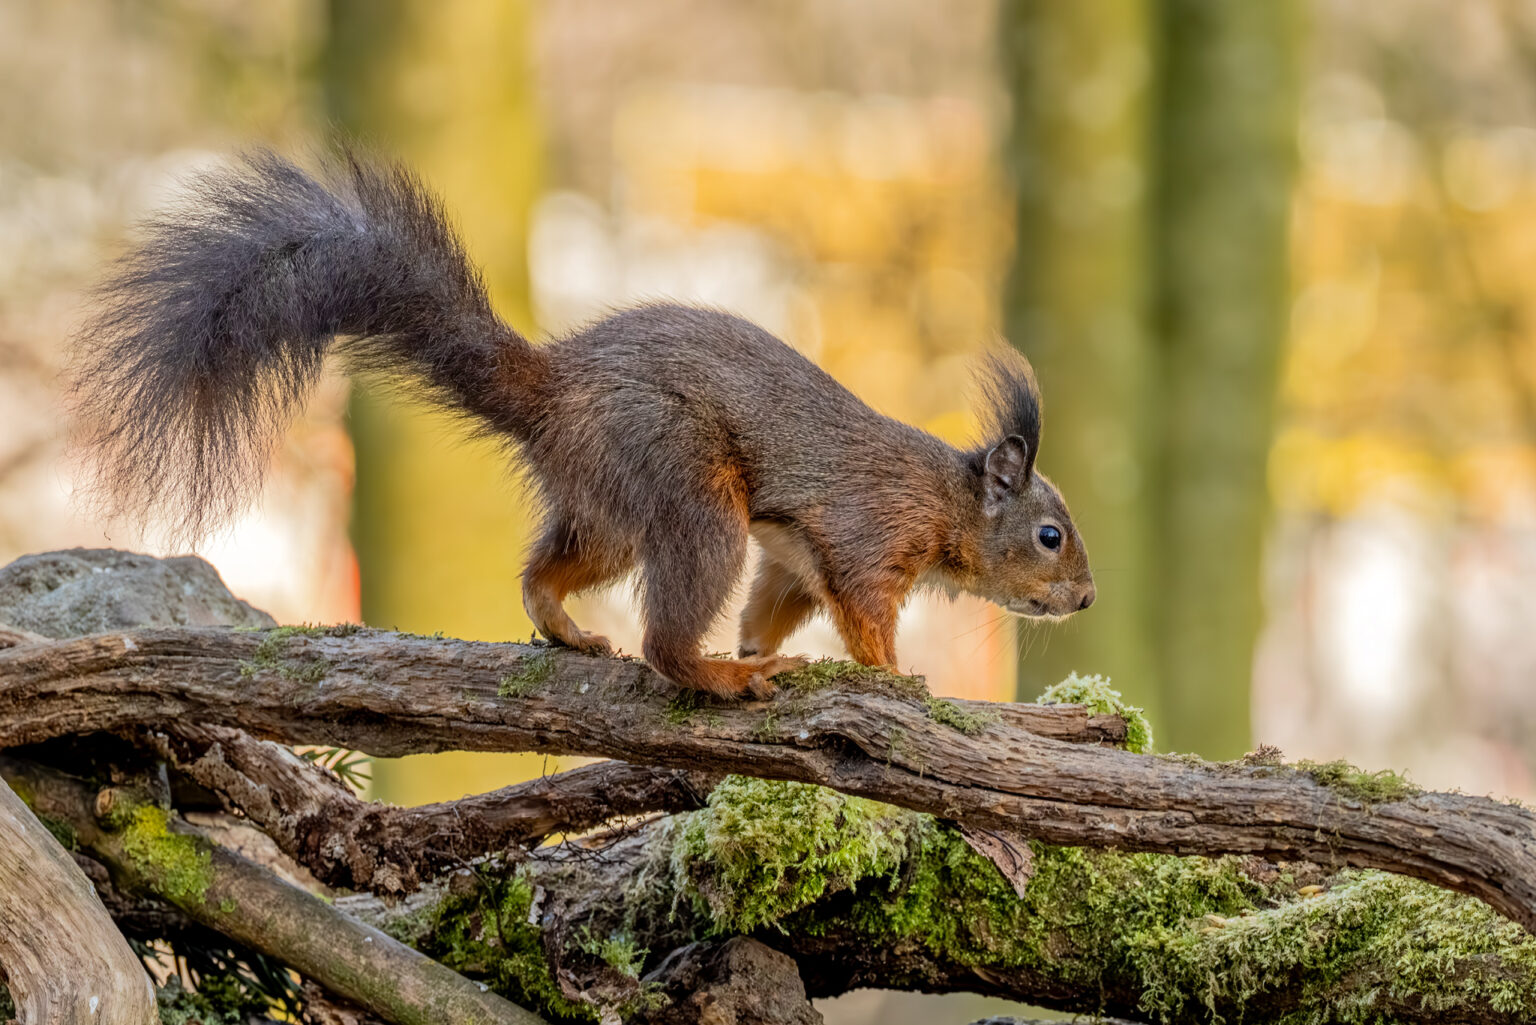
point(212, 331)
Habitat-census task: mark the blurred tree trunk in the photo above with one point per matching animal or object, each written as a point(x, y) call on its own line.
point(1076, 302)
point(1151, 154)
point(438, 524)
point(1223, 143)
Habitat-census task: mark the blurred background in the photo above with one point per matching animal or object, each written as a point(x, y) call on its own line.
point(1269, 260)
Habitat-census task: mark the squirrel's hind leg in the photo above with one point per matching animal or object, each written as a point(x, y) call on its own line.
point(690, 564)
point(559, 564)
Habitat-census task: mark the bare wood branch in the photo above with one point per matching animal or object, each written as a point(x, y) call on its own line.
point(64, 959)
point(252, 906)
point(390, 694)
point(316, 820)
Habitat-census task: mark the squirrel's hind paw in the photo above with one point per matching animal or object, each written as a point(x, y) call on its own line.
point(760, 683)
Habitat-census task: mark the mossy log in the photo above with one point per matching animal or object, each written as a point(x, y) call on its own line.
point(860, 893)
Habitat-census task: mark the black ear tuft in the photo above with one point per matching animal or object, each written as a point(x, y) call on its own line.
point(1005, 473)
point(1013, 401)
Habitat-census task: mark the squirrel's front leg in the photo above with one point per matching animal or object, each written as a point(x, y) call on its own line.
point(866, 619)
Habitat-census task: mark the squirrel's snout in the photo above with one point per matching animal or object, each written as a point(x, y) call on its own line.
point(1087, 599)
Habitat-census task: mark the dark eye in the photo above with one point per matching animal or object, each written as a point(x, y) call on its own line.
point(1050, 537)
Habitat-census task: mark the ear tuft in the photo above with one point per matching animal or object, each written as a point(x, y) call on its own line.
point(1005, 473)
point(1012, 400)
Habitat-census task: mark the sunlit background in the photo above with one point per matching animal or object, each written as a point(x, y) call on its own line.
point(1272, 261)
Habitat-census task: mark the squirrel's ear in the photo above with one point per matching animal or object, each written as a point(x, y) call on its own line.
point(1006, 471)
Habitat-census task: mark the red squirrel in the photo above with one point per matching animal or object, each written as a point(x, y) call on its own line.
point(661, 437)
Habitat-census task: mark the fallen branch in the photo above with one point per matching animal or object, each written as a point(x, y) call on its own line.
point(861, 894)
point(149, 851)
point(65, 962)
point(857, 732)
point(347, 842)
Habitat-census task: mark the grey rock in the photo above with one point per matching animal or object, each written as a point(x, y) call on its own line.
point(94, 590)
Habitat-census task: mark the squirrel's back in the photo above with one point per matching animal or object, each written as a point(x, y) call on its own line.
point(214, 329)
point(633, 394)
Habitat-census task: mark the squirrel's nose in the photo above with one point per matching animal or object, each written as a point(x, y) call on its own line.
point(1088, 596)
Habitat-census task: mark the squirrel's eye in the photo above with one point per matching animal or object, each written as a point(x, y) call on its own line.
point(1050, 537)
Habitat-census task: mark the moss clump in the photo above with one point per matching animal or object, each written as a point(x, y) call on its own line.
point(532, 671)
point(268, 654)
point(619, 952)
point(851, 676)
point(764, 849)
point(62, 831)
point(181, 1006)
point(1397, 939)
point(688, 703)
point(180, 866)
point(1359, 785)
point(1100, 698)
point(486, 935)
point(220, 999)
point(1199, 938)
point(950, 714)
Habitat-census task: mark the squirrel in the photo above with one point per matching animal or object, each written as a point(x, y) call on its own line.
point(661, 437)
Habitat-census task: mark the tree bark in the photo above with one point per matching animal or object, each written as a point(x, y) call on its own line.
point(65, 961)
point(867, 734)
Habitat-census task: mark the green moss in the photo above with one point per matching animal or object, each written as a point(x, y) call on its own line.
point(851, 676)
point(1359, 785)
point(618, 951)
point(764, 849)
point(268, 654)
point(532, 671)
point(178, 866)
point(180, 1006)
point(486, 936)
point(950, 714)
point(1414, 941)
point(1199, 938)
point(1100, 698)
point(220, 998)
point(62, 831)
point(686, 705)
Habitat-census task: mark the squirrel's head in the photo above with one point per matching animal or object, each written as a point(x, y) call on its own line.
point(1029, 557)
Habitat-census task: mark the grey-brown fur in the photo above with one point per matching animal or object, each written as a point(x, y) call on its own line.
point(658, 437)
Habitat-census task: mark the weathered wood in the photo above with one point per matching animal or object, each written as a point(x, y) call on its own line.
point(64, 959)
point(151, 851)
point(347, 842)
point(390, 694)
